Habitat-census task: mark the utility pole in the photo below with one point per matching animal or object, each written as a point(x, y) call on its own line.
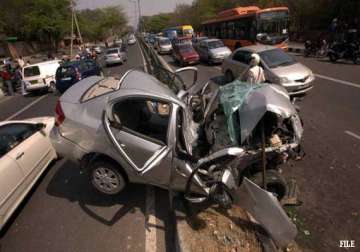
point(72, 30)
point(135, 9)
point(139, 5)
point(74, 20)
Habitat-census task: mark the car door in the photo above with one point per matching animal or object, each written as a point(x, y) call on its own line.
point(93, 67)
point(138, 127)
point(32, 148)
point(202, 50)
point(240, 62)
point(11, 175)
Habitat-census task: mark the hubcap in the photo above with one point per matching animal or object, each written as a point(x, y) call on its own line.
point(107, 181)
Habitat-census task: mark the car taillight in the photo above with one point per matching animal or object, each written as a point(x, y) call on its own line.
point(59, 114)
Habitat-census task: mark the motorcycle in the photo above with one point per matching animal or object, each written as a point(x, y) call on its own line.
point(345, 50)
point(316, 48)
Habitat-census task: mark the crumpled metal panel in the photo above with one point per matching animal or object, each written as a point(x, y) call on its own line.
point(252, 101)
point(266, 210)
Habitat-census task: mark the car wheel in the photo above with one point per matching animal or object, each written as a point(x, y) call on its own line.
point(106, 178)
point(357, 59)
point(275, 183)
point(52, 87)
point(229, 77)
point(333, 57)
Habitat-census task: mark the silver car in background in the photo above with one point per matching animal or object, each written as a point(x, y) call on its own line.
point(280, 68)
point(212, 51)
point(115, 56)
point(163, 46)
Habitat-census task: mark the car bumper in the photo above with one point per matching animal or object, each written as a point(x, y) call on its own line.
point(33, 87)
point(114, 61)
point(64, 147)
point(191, 61)
point(301, 91)
point(300, 88)
point(217, 60)
point(165, 50)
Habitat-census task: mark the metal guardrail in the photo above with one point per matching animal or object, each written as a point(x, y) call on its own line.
point(157, 69)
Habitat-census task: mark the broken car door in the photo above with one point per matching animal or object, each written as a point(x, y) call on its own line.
point(140, 126)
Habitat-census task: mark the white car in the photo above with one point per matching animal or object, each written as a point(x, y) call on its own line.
point(131, 40)
point(40, 76)
point(25, 153)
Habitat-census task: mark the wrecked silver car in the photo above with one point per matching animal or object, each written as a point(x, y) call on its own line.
point(205, 141)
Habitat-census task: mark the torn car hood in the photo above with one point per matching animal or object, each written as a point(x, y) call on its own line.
point(251, 102)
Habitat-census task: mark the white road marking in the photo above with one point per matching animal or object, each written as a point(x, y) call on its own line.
point(348, 83)
point(26, 108)
point(352, 134)
point(150, 219)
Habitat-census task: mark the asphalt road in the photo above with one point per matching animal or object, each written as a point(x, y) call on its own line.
point(63, 213)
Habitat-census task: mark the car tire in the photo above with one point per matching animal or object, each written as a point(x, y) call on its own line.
point(106, 178)
point(356, 59)
point(229, 77)
point(275, 183)
point(333, 57)
point(52, 87)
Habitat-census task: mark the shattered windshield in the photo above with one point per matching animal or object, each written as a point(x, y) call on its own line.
point(232, 96)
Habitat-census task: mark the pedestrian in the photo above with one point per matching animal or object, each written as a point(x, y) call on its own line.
point(21, 62)
point(28, 63)
point(255, 73)
point(6, 76)
point(19, 80)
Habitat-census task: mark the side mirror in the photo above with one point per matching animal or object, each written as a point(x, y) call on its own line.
point(183, 70)
point(262, 36)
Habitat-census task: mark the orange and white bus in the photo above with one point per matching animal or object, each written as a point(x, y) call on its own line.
point(250, 25)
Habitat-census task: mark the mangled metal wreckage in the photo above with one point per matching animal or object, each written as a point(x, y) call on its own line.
point(235, 133)
point(213, 143)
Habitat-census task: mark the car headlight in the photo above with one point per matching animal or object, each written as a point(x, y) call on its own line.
point(284, 80)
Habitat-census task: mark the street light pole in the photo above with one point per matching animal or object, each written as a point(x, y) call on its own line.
point(139, 6)
point(135, 9)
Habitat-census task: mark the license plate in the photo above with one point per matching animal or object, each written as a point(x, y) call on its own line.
point(33, 82)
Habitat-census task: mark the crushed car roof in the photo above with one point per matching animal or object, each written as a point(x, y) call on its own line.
point(145, 84)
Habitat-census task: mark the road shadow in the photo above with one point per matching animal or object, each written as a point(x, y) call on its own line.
point(339, 62)
point(71, 184)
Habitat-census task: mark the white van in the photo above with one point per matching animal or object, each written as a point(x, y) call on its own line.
point(40, 75)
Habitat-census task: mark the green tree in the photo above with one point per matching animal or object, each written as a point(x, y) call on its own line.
point(47, 20)
point(98, 24)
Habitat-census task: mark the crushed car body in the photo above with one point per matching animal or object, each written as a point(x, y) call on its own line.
point(207, 142)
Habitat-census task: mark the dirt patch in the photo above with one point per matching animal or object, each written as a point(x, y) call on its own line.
point(215, 230)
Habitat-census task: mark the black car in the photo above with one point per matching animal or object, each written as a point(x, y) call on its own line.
point(71, 72)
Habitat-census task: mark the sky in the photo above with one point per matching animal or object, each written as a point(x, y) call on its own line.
point(148, 7)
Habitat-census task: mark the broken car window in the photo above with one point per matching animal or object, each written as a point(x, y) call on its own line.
point(143, 116)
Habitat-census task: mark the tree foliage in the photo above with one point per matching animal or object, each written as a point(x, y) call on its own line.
point(50, 20)
point(98, 24)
